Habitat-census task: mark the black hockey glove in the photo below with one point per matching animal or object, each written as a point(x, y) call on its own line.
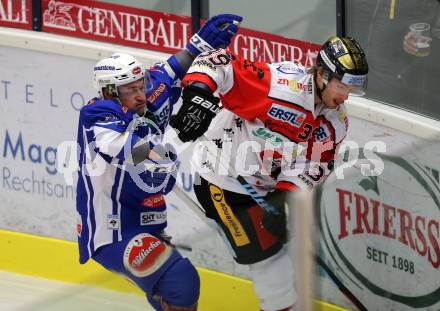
point(198, 109)
point(276, 223)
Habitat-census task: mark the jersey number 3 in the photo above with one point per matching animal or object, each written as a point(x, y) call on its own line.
point(307, 130)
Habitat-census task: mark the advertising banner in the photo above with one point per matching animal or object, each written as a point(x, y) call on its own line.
point(16, 13)
point(39, 105)
point(381, 232)
point(158, 31)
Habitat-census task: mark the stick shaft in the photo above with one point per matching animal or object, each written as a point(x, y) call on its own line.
point(264, 205)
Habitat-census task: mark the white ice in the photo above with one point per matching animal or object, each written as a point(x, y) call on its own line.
point(25, 293)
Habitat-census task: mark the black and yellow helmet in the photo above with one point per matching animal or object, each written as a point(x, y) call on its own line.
point(344, 59)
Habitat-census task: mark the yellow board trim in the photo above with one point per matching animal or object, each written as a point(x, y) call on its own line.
point(58, 260)
point(392, 8)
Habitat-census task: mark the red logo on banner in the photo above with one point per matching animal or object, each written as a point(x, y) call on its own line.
point(58, 15)
point(116, 24)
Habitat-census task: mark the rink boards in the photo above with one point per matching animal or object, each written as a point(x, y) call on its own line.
point(58, 260)
point(41, 100)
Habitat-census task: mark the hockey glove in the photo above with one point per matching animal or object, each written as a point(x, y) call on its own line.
point(276, 223)
point(216, 33)
point(198, 109)
point(162, 176)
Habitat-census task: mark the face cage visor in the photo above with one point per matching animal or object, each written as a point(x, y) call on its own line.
point(146, 87)
point(358, 83)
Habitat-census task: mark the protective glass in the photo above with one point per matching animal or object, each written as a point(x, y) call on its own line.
point(148, 80)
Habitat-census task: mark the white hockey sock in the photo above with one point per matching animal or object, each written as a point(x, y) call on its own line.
point(273, 281)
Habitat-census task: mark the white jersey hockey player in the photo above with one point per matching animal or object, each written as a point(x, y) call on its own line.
point(280, 128)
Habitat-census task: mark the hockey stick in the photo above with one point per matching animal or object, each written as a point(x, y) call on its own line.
point(213, 150)
point(199, 211)
point(265, 206)
point(196, 208)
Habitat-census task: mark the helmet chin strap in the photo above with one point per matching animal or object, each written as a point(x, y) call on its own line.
point(325, 79)
point(113, 90)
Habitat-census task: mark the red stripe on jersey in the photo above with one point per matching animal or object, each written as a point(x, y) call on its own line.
point(265, 239)
point(200, 77)
point(286, 185)
point(248, 97)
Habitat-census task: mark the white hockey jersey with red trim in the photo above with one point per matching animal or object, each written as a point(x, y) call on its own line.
point(271, 131)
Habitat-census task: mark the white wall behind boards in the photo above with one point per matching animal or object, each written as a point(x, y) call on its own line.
point(40, 95)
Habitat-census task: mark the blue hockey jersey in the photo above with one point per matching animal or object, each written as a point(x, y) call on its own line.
point(112, 203)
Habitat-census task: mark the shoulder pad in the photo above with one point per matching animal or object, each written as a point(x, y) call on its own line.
point(291, 82)
point(103, 106)
point(290, 68)
point(339, 121)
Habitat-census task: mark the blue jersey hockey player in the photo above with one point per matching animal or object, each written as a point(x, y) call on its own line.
point(123, 175)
